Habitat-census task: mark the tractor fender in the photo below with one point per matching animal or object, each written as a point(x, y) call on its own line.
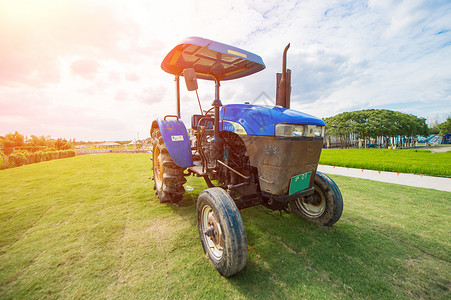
point(176, 139)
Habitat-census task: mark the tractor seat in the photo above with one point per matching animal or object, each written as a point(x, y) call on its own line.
point(206, 121)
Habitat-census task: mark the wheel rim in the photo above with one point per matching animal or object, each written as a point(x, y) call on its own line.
point(212, 233)
point(158, 166)
point(315, 207)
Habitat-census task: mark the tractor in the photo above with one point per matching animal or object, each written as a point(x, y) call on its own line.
point(248, 154)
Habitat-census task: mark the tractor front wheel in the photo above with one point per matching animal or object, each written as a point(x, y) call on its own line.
point(221, 231)
point(169, 178)
point(325, 206)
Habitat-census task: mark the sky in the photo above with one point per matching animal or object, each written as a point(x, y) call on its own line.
point(90, 69)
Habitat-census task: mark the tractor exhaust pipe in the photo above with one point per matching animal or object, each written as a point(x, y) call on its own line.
point(284, 83)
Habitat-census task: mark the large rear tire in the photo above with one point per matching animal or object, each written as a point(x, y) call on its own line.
point(168, 176)
point(221, 231)
point(325, 206)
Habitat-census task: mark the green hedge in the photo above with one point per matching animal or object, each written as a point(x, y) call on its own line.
point(20, 158)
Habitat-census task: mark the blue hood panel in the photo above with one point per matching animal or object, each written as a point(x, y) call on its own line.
point(260, 119)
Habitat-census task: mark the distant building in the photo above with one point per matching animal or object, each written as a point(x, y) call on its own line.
point(107, 145)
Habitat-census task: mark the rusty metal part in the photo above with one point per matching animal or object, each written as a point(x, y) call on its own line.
point(231, 188)
point(282, 85)
point(288, 198)
point(213, 231)
point(216, 104)
point(265, 180)
point(278, 159)
point(209, 231)
point(158, 166)
point(177, 93)
point(233, 170)
point(246, 201)
point(313, 206)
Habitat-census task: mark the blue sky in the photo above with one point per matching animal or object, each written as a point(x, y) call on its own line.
point(90, 70)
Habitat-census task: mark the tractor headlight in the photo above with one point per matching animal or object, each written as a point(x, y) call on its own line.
point(294, 130)
point(316, 131)
point(290, 130)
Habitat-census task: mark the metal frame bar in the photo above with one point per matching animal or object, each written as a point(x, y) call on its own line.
point(177, 91)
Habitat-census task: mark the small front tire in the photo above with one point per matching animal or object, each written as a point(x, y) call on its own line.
point(325, 206)
point(221, 231)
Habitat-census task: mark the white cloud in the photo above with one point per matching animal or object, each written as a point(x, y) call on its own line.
point(97, 63)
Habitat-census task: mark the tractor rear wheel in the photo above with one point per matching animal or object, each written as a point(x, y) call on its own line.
point(221, 231)
point(325, 206)
point(168, 176)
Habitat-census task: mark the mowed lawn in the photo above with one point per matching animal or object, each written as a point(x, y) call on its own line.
point(91, 227)
point(392, 160)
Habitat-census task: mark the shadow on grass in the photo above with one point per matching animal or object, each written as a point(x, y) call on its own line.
point(358, 258)
point(289, 256)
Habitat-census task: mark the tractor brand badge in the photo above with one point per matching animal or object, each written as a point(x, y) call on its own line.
point(234, 127)
point(177, 138)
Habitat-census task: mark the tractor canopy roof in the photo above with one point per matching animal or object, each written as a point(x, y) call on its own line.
point(211, 60)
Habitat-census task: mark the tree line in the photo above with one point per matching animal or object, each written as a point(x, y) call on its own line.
point(17, 150)
point(381, 126)
point(11, 142)
point(441, 128)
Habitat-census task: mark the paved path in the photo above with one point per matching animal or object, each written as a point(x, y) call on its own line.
point(435, 149)
point(429, 182)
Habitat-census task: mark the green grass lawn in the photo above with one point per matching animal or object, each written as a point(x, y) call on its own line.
point(91, 227)
point(393, 160)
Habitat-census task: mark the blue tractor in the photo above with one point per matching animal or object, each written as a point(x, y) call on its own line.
point(248, 154)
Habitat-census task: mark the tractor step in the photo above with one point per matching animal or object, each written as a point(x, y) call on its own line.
point(198, 170)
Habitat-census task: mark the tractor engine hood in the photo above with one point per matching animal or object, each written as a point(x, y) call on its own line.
point(261, 119)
